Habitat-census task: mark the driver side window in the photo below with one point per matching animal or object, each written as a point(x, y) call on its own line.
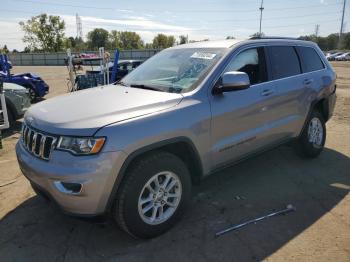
point(252, 62)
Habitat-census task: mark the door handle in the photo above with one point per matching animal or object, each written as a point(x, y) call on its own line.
point(307, 82)
point(267, 92)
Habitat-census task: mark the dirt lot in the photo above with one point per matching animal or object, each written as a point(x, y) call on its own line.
point(33, 230)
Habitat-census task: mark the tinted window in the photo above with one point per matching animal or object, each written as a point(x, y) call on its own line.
point(284, 61)
point(311, 61)
point(251, 62)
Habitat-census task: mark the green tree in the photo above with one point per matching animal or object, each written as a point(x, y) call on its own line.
point(149, 46)
point(43, 32)
point(4, 50)
point(98, 38)
point(329, 42)
point(171, 41)
point(69, 42)
point(183, 39)
point(125, 40)
point(257, 34)
point(163, 41)
point(346, 40)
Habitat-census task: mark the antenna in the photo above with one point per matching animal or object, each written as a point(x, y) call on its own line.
point(261, 11)
point(79, 27)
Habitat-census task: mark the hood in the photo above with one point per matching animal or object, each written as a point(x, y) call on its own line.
point(83, 112)
point(29, 75)
point(14, 87)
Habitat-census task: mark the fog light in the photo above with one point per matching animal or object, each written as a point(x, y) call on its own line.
point(68, 188)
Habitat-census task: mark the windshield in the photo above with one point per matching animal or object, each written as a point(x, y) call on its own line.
point(174, 70)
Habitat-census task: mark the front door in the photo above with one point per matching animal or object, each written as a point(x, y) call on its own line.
point(240, 118)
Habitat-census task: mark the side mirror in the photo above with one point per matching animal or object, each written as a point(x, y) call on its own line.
point(232, 81)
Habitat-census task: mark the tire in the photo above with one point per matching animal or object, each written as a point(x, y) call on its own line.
point(11, 118)
point(127, 211)
point(32, 94)
point(311, 141)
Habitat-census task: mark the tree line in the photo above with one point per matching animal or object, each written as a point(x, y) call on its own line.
point(46, 33)
point(330, 42)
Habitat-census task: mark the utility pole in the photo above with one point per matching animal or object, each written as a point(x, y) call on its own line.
point(261, 11)
point(317, 29)
point(342, 24)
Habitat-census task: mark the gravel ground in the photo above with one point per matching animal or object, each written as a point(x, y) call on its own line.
point(33, 230)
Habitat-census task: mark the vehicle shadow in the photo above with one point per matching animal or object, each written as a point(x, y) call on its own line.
point(36, 231)
point(15, 128)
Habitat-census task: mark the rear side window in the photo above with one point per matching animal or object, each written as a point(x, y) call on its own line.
point(284, 61)
point(311, 61)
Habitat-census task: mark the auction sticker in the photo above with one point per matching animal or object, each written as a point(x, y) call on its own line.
point(202, 55)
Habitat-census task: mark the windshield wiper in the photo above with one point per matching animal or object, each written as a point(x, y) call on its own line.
point(146, 87)
point(120, 83)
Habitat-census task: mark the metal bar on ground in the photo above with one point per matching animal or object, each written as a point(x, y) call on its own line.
point(288, 209)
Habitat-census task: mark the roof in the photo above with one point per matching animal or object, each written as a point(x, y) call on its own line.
point(210, 44)
point(231, 42)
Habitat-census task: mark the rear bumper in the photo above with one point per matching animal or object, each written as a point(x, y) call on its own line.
point(331, 100)
point(96, 175)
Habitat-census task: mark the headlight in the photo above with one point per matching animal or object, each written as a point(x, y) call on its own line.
point(81, 145)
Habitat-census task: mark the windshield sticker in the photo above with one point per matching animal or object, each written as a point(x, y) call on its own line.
point(202, 55)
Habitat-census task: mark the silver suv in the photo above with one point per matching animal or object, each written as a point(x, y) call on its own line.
point(133, 149)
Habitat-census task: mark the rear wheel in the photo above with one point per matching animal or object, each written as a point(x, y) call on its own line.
point(311, 142)
point(153, 195)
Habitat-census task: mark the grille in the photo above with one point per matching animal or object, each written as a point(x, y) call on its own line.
point(37, 143)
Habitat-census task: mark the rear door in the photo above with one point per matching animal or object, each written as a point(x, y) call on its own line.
point(291, 87)
point(315, 76)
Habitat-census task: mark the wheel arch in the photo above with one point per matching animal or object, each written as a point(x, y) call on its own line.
point(182, 147)
point(11, 108)
point(321, 104)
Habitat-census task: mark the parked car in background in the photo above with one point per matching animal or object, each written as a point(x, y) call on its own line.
point(343, 57)
point(17, 102)
point(137, 147)
point(35, 84)
point(124, 68)
point(332, 56)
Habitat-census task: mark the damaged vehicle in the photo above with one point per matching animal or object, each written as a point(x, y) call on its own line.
point(134, 149)
point(17, 102)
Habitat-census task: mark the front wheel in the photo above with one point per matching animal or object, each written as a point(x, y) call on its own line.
point(311, 142)
point(153, 195)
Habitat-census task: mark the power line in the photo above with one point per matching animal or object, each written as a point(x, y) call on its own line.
point(273, 18)
point(211, 20)
point(174, 11)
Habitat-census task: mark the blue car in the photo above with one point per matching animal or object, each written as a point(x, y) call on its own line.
point(35, 84)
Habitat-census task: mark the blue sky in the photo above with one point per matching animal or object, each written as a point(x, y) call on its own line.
point(199, 19)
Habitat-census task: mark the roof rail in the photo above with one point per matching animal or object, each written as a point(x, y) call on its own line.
point(272, 37)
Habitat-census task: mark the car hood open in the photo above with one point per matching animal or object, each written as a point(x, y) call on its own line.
point(82, 113)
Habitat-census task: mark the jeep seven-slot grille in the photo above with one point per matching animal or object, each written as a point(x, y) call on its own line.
point(37, 143)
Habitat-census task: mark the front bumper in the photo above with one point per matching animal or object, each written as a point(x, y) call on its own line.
point(96, 174)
